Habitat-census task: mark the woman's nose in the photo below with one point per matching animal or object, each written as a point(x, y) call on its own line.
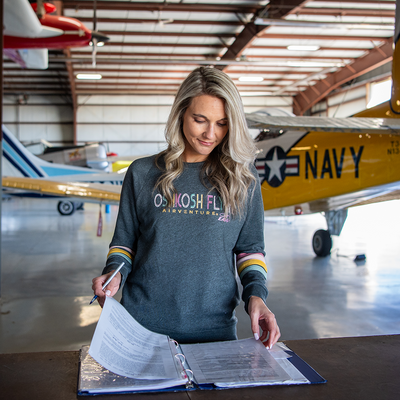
point(210, 131)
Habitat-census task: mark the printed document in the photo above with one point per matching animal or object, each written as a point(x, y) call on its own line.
point(126, 348)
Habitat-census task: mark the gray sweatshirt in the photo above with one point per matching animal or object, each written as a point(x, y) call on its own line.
point(180, 276)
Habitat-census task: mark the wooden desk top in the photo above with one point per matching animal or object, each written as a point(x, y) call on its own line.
point(357, 368)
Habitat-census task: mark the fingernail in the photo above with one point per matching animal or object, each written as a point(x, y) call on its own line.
point(256, 336)
point(267, 347)
point(108, 292)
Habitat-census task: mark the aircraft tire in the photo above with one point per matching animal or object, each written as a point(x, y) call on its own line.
point(322, 243)
point(66, 207)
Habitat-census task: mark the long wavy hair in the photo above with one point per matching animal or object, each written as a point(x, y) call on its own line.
point(227, 168)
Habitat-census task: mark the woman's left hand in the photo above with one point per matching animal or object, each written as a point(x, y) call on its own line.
point(261, 316)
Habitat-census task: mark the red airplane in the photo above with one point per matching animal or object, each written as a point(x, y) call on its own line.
point(28, 34)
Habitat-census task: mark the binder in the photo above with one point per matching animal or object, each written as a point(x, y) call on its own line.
point(125, 357)
point(94, 379)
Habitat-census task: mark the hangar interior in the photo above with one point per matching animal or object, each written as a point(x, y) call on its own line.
point(48, 260)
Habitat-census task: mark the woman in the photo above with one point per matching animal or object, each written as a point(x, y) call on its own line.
point(187, 216)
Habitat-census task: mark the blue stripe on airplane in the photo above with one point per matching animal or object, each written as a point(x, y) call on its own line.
point(20, 157)
point(15, 164)
point(57, 171)
point(20, 161)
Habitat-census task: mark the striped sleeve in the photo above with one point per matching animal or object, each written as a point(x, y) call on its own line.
point(251, 262)
point(115, 256)
point(124, 252)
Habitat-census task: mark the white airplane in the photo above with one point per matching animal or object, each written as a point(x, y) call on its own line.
point(33, 176)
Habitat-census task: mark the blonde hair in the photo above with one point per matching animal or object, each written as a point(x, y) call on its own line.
point(227, 168)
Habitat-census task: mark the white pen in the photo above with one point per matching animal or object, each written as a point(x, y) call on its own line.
point(108, 281)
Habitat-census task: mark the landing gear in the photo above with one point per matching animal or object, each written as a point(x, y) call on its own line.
point(322, 240)
point(66, 207)
point(322, 243)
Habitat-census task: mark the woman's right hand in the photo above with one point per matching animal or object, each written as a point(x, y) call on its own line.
point(112, 287)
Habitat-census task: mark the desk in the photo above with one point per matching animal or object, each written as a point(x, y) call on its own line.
point(357, 368)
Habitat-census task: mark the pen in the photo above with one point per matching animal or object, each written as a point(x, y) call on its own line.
point(108, 281)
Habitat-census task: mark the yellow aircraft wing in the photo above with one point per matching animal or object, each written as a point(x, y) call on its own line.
point(324, 124)
point(109, 194)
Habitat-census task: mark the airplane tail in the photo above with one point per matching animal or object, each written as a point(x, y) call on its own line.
point(18, 161)
point(391, 108)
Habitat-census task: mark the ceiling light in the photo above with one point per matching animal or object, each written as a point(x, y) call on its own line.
point(303, 48)
point(251, 79)
point(89, 76)
point(98, 44)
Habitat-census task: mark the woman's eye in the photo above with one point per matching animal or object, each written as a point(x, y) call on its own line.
point(222, 124)
point(198, 121)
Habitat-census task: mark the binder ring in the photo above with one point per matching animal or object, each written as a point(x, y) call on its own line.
point(181, 357)
point(190, 376)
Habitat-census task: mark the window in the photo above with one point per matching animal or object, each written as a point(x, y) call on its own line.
point(379, 92)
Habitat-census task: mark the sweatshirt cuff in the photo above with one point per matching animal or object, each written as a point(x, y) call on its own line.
point(113, 264)
point(254, 284)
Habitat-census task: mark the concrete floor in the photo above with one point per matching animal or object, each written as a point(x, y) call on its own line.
point(48, 262)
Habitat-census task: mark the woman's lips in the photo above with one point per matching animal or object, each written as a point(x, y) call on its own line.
point(205, 143)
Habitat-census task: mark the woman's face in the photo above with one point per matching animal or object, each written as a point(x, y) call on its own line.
point(204, 127)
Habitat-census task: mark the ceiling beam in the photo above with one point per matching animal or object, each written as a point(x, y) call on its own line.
point(148, 54)
point(165, 34)
point(377, 3)
point(156, 21)
point(145, 44)
point(33, 92)
point(211, 55)
point(324, 37)
point(303, 101)
point(347, 12)
point(100, 83)
point(32, 74)
point(212, 7)
point(322, 48)
point(183, 71)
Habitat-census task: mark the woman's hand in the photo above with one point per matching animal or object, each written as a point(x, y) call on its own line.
point(112, 287)
point(261, 316)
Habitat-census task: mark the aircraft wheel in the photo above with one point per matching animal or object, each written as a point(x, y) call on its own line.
point(322, 243)
point(66, 207)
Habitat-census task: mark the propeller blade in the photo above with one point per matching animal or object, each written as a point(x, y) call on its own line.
point(94, 15)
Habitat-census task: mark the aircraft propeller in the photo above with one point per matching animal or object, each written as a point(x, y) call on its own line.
point(96, 36)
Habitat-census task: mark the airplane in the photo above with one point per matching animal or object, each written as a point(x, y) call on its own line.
point(24, 171)
point(318, 164)
point(92, 155)
point(324, 165)
point(30, 30)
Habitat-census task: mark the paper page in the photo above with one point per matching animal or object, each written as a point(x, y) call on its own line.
point(235, 363)
point(94, 378)
point(125, 347)
point(278, 352)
